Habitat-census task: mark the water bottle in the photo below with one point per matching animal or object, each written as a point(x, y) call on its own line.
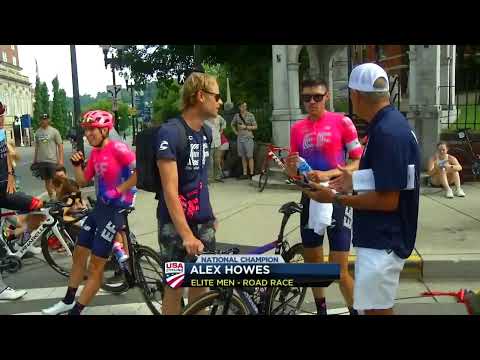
point(121, 256)
point(303, 166)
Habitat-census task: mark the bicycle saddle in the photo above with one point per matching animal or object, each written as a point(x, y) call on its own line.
point(291, 208)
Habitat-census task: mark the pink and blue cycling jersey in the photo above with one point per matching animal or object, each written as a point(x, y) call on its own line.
point(111, 165)
point(326, 142)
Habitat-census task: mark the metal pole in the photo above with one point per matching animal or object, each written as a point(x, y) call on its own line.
point(76, 99)
point(133, 118)
point(114, 103)
point(349, 56)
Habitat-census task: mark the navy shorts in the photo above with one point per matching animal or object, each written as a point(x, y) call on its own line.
point(100, 228)
point(339, 233)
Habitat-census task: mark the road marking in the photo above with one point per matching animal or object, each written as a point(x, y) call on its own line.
point(121, 309)
point(49, 293)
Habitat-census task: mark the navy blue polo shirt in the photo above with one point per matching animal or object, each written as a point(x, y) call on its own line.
point(392, 146)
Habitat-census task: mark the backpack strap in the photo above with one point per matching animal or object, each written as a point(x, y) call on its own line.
point(183, 146)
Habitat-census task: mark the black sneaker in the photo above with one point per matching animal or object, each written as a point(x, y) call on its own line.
point(243, 177)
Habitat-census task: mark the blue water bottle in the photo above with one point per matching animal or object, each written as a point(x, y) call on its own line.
point(303, 167)
point(120, 255)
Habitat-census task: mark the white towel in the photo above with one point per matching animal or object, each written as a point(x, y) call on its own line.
point(320, 215)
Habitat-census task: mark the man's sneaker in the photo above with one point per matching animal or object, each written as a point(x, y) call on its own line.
point(58, 308)
point(459, 192)
point(244, 177)
point(449, 193)
point(35, 250)
point(12, 294)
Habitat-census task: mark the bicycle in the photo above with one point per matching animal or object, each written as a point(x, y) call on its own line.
point(53, 224)
point(258, 300)
point(136, 273)
point(272, 153)
point(469, 160)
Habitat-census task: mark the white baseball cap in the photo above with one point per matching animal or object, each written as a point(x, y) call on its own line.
point(364, 76)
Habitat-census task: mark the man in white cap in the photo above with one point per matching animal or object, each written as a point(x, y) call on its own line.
point(385, 217)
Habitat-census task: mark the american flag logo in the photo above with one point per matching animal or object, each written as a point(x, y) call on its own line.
point(174, 273)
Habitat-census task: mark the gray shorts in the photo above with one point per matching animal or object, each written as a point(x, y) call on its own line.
point(47, 170)
point(245, 147)
point(171, 244)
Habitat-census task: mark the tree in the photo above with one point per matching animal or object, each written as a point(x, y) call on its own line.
point(166, 105)
point(42, 103)
point(59, 108)
point(44, 98)
point(106, 104)
point(37, 106)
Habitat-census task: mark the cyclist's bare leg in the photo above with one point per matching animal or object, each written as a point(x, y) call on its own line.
point(440, 178)
point(346, 281)
point(172, 298)
point(454, 178)
point(80, 258)
point(250, 165)
point(96, 268)
point(314, 255)
point(244, 165)
point(50, 188)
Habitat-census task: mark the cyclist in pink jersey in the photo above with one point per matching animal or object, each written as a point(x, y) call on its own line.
point(325, 140)
point(113, 165)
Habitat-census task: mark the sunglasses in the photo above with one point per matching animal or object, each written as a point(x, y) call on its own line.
point(316, 97)
point(216, 96)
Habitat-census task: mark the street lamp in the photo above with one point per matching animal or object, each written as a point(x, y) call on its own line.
point(131, 87)
point(114, 62)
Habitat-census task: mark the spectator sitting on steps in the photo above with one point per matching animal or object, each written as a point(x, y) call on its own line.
point(444, 170)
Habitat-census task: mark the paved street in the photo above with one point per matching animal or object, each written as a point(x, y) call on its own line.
point(448, 230)
point(45, 287)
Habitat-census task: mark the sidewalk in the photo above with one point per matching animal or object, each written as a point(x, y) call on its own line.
point(447, 242)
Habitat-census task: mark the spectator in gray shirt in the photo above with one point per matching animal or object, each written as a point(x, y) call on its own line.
point(217, 125)
point(243, 124)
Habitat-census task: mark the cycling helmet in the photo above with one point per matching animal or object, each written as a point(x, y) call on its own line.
point(3, 109)
point(98, 118)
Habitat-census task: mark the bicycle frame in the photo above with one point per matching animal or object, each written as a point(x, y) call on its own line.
point(279, 245)
point(50, 223)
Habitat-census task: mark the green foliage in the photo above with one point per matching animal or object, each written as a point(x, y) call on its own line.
point(263, 116)
point(167, 102)
point(42, 105)
point(59, 116)
point(106, 104)
point(37, 106)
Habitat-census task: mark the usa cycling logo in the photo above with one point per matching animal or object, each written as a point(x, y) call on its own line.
point(175, 273)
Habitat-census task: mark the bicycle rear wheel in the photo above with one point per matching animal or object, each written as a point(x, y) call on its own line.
point(150, 277)
point(213, 303)
point(287, 300)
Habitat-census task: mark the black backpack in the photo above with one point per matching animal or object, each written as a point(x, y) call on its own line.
point(148, 178)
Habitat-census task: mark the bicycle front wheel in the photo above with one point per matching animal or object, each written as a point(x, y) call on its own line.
point(213, 303)
point(150, 277)
point(262, 180)
point(287, 300)
point(55, 251)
